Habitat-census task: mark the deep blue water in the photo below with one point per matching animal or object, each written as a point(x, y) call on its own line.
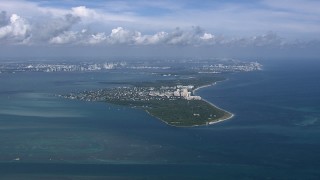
point(274, 135)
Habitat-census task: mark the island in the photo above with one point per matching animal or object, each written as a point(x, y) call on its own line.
point(172, 101)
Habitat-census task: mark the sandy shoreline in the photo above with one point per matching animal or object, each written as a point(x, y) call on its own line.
point(219, 120)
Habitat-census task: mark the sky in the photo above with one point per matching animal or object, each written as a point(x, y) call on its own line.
point(161, 28)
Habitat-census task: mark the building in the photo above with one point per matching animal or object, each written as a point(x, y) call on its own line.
point(184, 93)
point(176, 93)
point(193, 98)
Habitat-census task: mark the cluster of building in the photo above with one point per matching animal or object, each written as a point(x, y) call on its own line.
point(137, 94)
point(97, 66)
point(70, 67)
point(63, 67)
point(66, 67)
point(239, 67)
point(179, 91)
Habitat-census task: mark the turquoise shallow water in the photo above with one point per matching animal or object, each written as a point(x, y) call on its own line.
point(274, 135)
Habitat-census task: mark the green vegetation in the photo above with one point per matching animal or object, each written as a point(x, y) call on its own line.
point(187, 113)
point(180, 112)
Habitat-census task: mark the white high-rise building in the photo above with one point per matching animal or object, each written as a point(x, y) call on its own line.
point(176, 93)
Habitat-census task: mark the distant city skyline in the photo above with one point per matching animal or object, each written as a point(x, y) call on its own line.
point(221, 28)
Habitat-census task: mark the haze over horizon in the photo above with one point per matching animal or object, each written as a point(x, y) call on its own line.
point(264, 28)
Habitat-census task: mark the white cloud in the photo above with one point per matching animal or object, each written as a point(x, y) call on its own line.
point(65, 38)
point(98, 17)
point(97, 38)
point(178, 37)
point(207, 36)
point(84, 12)
point(267, 39)
point(193, 36)
point(17, 29)
point(157, 38)
point(46, 30)
point(120, 35)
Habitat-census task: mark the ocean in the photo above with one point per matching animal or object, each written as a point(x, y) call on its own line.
point(274, 135)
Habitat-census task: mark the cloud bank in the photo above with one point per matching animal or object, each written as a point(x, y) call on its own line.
point(164, 24)
point(61, 30)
